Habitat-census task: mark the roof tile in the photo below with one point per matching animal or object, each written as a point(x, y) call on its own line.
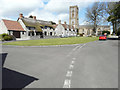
point(13, 25)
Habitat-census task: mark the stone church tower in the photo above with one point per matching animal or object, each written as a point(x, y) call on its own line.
point(73, 16)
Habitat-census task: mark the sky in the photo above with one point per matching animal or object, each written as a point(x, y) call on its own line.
point(48, 10)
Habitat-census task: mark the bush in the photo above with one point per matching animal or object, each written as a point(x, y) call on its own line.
point(108, 32)
point(3, 35)
point(81, 34)
point(13, 37)
point(7, 38)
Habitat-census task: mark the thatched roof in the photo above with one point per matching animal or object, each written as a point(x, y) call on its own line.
point(36, 23)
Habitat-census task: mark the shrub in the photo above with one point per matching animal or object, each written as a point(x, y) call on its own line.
point(13, 37)
point(81, 34)
point(3, 35)
point(7, 38)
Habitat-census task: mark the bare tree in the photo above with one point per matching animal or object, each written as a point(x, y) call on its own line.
point(94, 14)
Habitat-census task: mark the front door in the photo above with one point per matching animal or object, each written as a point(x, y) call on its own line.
point(16, 34)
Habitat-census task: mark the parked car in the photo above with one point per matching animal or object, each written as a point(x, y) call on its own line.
point(102, 37)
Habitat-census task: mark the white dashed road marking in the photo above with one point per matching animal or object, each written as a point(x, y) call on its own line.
point(74, 58)
point(76, 48)
point(72, 62)
point(69, 74)
point(67, 83)
point(71, 67)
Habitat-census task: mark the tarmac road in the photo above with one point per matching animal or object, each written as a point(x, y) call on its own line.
point(90, 65)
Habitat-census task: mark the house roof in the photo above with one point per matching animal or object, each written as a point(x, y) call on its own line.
point(12, 25)
point(68, 26)
point(37, 23)
point(54, 26)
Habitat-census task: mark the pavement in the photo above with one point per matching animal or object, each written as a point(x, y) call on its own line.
point(90, 65)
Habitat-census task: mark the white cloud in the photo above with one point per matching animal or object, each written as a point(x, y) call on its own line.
point(50, 10)
point(43, 15)
point(13, 7)
point(62, 6)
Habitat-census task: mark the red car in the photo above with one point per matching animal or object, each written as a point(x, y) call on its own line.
point(103, 37)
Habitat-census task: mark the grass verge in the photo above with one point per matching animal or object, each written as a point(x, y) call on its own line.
point(55, 41)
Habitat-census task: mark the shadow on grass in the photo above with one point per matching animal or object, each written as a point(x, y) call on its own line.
point(12, 79)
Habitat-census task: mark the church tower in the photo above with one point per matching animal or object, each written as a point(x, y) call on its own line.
point(73, 16)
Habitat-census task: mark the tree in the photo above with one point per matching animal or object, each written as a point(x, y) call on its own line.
point(113, 9)
point(94, 14)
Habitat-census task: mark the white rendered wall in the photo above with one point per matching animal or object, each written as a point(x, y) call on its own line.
point(59, 30)
point(3, 28)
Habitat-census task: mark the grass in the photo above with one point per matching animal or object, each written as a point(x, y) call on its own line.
point(55, 41)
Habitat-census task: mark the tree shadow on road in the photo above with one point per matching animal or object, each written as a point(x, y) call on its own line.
point(3, 55)
point(12, 79)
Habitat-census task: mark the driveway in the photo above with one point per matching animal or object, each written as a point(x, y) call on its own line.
point(91, 65)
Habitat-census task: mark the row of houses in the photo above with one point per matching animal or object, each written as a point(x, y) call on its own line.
point(28, 27)
point(25, 28)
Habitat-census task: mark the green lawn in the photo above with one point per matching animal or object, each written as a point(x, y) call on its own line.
point(56, 41)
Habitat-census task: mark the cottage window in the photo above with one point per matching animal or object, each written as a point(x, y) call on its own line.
point(50, 33)
point(23, 33)
point(45, 33)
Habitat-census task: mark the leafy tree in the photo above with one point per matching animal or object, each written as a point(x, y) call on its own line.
point(113, 9)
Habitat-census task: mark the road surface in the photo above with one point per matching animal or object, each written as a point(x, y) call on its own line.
point(90, 65)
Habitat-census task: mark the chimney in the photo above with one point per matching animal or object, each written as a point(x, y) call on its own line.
point(20, 15)
point(65, 22)
point(34, 17)
point(59, 22)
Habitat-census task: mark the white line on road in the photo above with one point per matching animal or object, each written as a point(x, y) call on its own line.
point(83, 45)
point(74, 58)
point(67, 83)
point(76, 48)
point(72, 62)
point(69, 74)
point(71, 67)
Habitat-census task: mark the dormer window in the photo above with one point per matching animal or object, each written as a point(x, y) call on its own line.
point(30, 28)
point(41, 27)
point(45, 27)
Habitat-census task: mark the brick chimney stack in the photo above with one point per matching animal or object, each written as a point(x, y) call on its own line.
point(20, 15)
point(34, 17)
point(65, 22)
